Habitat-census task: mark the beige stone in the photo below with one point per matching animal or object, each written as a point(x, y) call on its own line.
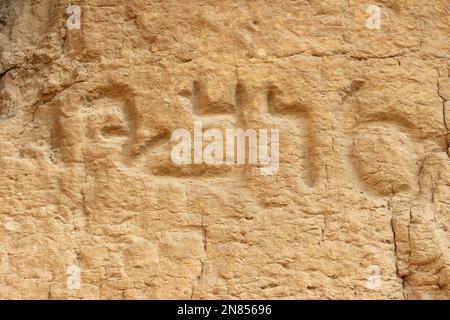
point(86, 117)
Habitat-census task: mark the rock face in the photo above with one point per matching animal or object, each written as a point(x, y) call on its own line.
point(92, 205)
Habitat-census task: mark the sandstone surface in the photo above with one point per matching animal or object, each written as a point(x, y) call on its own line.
point(360, 205)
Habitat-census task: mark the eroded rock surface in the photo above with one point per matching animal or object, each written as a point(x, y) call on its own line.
point(86, 117)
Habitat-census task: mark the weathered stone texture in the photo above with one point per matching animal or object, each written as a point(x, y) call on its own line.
point(86, 176)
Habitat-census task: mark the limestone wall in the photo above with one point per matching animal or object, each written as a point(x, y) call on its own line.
point(93, 206)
